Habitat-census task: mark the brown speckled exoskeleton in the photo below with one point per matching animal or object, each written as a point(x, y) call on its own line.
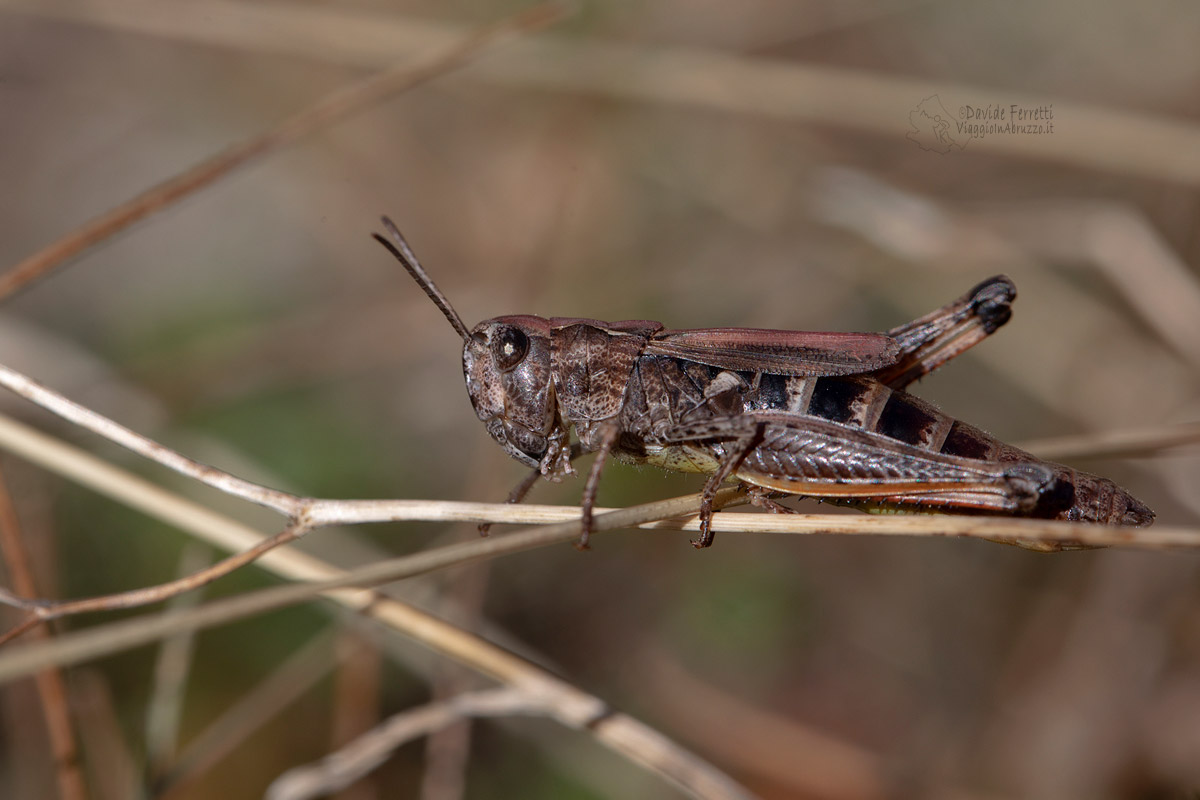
point(822, 415)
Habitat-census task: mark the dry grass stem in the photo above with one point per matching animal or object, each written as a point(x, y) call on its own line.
point(364, 754)
point(164, 708)
point(336, 106)
point(51, 688)
point(80, 646)
point(1163, 288)
point(116, 637)
point(109, 760)
point(341, 768)
point(85, 418)
point(908, 524)
point(42, 610)
point(1117, 444)
point(771, 743)
point(141, 495)
point(1142, 145)
point(357, 696)
point(567, 704)
point(1121, 242)
point(254, 708)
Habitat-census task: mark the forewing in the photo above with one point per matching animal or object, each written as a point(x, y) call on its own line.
point(778, 352)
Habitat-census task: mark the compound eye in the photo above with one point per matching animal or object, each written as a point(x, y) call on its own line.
point(510, 344)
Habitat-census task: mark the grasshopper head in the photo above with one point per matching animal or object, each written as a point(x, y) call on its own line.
point(506, 362)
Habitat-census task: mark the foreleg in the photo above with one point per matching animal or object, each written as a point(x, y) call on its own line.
point(522, 489)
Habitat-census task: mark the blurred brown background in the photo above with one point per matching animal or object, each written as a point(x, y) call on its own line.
point(697, 162)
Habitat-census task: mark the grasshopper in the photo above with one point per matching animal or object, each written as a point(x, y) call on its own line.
point(817, 414)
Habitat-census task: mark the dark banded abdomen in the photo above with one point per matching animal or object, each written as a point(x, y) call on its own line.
point(864, 403)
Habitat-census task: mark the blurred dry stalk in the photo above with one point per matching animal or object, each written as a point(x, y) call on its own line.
point(164, 709)
point(1139, 145)
point(1116, 444)
point(296, 675)
point(877, 210)
point(341, 768)
point(52, 690)
point(343, 103)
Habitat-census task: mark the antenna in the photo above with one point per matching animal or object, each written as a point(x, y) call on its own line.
point(405, 256)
